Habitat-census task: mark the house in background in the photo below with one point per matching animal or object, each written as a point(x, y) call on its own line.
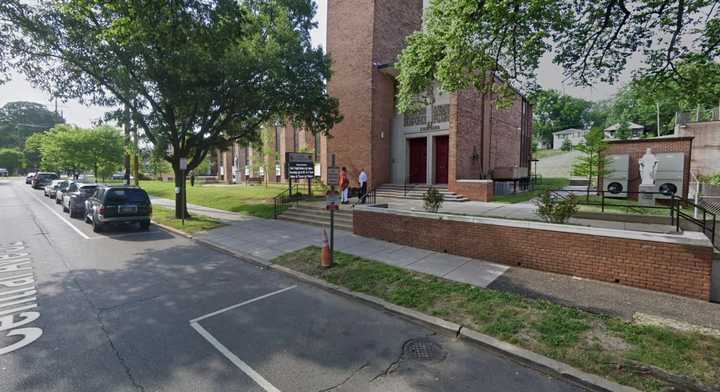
point(636, 130)
point(575, 136)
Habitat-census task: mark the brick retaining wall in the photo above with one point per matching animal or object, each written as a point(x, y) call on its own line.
point(677, 264)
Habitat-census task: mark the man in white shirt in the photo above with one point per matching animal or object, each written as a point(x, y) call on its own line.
point(362, 178)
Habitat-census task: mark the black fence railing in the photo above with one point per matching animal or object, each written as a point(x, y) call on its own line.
point(286, 199)
point(679, 210)
point(370, 197)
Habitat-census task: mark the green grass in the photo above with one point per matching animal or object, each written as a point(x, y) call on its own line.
point(547, 183)
point(595, 343)
point(255, 200)
point(623, 206)
point(166, 216)
point(540, 154)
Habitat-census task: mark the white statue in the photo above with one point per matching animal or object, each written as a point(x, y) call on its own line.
point(648, 167)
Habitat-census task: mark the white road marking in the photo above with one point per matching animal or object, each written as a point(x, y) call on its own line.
point(255, 376)
point(195, 320)
point(62, 218)
point(250, 372)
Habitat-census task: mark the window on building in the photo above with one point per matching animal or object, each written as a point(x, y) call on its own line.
point(441, 113)
point(295, 140)
point(415, 118)
point(247, 155)
point(278, 131)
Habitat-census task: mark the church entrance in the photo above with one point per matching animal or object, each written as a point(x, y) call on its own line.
point(442, 146)
point(418, 160)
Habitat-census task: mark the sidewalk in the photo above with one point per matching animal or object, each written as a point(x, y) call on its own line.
point(263, 240)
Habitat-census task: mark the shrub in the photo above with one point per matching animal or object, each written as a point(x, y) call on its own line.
point(433, 200)
point(566, 145)
point(556, 210)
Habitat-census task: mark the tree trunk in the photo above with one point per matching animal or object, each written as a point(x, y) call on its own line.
point(180, 202)
point(657, 111)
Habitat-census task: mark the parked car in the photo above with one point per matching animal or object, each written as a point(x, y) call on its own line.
point(118, 204)
point(71, 186)
point(74, 202)
point(42, 179)
point(29, 177)
point(52, 188)
point(4, 172)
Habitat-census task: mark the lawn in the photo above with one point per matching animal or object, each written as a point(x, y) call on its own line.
point(547, 183)
point(255, 200)
point(166, 216)
point(540, 154)
point(599, 344)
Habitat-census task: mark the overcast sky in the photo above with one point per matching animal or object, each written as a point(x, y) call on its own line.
point(18, 89)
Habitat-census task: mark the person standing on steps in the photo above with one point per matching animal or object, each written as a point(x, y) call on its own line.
point(362, 178)
point(344, 184)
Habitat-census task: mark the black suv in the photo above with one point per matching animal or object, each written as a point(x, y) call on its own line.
point(40, 180)
point(118, 204)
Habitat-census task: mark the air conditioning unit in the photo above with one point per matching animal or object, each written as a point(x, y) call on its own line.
point(670, 177)
point(615, 181)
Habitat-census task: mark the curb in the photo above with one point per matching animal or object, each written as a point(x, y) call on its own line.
point(537, 361)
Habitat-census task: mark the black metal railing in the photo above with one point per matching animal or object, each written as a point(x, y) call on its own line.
point(285, 199)
point(370, 197)
point(678, 208)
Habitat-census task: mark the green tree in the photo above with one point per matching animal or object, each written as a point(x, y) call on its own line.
point(11, 159)
point(33, 152)
point(592, 164)
point(464, 42)
point(103, 150)
point(566, 145)
point(193, 75)
point(553, 111)
point(19, 120)
point(623, 133)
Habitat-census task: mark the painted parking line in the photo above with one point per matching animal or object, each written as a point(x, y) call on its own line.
point(242, 365)
point(62, 218)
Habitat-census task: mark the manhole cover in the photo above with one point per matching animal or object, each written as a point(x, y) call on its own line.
point(423, 349)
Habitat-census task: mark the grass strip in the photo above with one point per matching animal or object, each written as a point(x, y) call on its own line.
point(195, 223)
point(600, 344)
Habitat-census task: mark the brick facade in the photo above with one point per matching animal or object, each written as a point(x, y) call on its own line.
point(636, 148)
point(675, 268)
point(364, 36)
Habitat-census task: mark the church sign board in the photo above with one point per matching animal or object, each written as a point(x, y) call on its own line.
point(299, 165)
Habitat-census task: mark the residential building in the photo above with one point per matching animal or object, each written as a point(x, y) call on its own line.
point(636, 130)
point(574, 135)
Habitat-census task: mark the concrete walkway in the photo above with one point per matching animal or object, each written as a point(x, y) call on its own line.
point(263, 240)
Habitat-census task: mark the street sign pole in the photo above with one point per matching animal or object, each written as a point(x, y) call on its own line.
point(332, 220)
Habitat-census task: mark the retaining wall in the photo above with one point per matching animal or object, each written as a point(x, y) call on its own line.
point(673, 263)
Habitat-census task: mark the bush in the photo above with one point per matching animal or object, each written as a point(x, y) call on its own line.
point(556, 210)
point(432, 200)
point(567, 145)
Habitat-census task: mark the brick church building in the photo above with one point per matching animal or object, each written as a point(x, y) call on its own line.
point(461, 141)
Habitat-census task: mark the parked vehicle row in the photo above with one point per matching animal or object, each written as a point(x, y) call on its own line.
point(99, 205)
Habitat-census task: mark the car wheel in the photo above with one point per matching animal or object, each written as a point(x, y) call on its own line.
point(97, 227)
point(65, 209)
point(145, 225)
point(87, 219)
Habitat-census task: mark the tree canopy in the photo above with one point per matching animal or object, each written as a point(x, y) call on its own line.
point(553, 111)
point(193, 75)
point(10, 159)
point(464, 41)
point(19, 120)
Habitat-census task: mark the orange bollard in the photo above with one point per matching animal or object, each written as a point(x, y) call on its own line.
point(325, 258)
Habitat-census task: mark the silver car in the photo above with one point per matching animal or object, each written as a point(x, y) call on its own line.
point(51, 189)
point(74, 202)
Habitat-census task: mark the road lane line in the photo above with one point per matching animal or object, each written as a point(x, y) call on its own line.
point(62, 218)
point(215, 313)
point(255, 376)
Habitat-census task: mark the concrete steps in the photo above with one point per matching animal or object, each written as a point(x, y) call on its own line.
point(318, 216)
point(415, 192)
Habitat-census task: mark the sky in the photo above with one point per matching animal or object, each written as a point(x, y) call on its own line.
point(549, 76)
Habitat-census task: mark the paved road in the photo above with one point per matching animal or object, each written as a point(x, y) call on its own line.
point(157, 312)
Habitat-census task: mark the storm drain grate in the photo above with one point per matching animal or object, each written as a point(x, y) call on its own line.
point(423, 349)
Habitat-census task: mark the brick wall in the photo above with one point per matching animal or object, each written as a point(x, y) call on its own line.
point(477, 190)
point(678, 268)
point(637, 148)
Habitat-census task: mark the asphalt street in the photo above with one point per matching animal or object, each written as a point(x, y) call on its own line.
point(152, 311)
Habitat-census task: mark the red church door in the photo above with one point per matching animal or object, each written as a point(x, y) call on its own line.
point(418, 160)
point(442, 145)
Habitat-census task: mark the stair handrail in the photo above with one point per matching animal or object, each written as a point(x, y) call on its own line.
point(370, 197)
point(285, 198)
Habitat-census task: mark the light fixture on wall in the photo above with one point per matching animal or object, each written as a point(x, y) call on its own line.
point(382, 134)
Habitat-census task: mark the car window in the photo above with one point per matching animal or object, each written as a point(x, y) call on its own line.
point(126, 196)
point(88, 190)
point(73, 187)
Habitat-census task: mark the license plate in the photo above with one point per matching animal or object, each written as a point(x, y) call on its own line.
point(127, 209)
